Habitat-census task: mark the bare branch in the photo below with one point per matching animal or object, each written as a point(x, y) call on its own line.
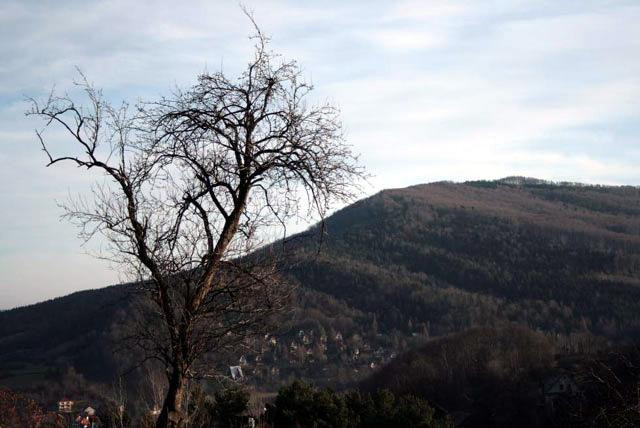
point(193, 183)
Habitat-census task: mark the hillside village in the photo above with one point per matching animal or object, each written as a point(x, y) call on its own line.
point(315, 355)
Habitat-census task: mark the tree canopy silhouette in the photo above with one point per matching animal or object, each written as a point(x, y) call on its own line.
point(194, 182)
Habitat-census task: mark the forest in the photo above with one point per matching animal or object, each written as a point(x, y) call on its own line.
point(486, 287)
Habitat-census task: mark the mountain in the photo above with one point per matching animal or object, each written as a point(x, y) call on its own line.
point(444, 256)
point(396, 270)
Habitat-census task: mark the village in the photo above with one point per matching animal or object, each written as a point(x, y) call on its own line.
point(309, 353)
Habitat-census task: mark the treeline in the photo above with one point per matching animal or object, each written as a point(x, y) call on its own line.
point(493, 374)
point(511, 376)
point(72, 331)
point(300, 404)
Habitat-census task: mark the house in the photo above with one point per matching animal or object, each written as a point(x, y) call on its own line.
point(559, 385)
point(355, 354)
point(88, 419)
point(558, 389)
point(236, 372)
point(65, 405)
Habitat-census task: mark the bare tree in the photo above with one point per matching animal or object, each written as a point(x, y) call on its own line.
point(193, 184)
point(117, 403)
point(609, 389)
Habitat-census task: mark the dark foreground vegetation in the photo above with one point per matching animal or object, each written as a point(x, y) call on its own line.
point(296, 405)
point(475, 297)
point(483, 377)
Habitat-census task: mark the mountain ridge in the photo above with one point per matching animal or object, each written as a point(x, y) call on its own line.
point(399, 268)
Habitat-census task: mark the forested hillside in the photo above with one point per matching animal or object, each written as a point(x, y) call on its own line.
point(443, 257)
point(403, 267)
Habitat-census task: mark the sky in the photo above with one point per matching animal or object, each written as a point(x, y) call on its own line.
point(429, 91)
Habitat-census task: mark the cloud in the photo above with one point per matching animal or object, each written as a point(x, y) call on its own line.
point(429, 91)
point(403, 40)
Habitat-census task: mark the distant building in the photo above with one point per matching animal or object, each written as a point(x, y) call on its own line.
point(558, 389)
point(236, 372)
point(88, 419)
point(65, 406)
point(355, 354)
point(560, 385)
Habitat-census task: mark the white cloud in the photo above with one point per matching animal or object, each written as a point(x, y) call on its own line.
point(404, 40)
point(429, 91)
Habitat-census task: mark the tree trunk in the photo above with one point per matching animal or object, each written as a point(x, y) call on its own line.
point(171, 415)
